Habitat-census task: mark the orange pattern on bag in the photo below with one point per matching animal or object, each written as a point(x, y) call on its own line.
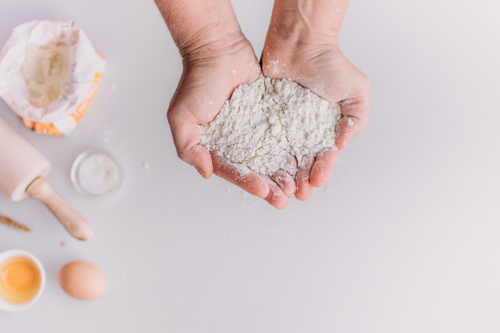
point(82, 108)
point(78, 114)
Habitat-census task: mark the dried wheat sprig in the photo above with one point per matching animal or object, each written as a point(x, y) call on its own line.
point(11, 223)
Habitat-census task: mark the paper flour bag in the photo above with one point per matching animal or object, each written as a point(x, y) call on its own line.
point(49, 72)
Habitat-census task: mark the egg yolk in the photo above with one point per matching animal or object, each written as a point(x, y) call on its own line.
point(19, 277)
point(20, 280)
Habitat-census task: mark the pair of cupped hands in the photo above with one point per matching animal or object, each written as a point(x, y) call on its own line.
point(215, 69)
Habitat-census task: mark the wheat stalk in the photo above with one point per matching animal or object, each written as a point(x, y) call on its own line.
point(5, 220)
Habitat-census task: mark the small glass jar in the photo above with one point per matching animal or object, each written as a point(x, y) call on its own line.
point(97, 174)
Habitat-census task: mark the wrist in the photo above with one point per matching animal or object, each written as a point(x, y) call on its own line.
point(201, 27)
point(213, 43)
point(287, 42)
point(293, 37)
point(298, 19)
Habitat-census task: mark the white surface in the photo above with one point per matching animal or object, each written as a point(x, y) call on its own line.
point(404, 238)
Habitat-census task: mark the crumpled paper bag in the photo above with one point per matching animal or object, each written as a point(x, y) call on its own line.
point(86, 68)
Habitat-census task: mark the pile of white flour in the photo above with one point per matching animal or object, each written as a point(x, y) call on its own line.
point(265, 121)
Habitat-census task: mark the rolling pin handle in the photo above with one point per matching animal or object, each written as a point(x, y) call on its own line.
point(74, 223)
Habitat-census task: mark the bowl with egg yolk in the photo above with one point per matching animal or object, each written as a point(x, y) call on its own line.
point(22, 280)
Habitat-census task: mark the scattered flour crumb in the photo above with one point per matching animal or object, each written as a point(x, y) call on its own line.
point(350, 123)
point(267, 120)
point(105, 134)
point(242, 170)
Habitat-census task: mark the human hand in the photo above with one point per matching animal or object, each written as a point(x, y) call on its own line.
point(310, 55)
point(210, 75)
point(217, 58)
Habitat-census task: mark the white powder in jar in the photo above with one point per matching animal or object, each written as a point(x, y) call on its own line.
point(266, 121)
point(98, 174)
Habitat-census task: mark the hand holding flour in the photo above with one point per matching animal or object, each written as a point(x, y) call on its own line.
point(217, 58)
point(302, 45)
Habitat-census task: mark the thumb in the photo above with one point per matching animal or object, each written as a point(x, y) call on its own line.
point(187, 138)
point(353, 122)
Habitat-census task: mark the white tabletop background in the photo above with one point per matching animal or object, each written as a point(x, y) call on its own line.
point(405, 237)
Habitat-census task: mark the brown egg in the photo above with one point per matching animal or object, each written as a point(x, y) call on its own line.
point(82, 280)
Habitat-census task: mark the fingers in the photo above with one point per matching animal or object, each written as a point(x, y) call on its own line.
point(347, 128)
point(187, 138)
point(276, 197)
point(240, 175)
point(304, 187)
point(355, 119)
point(259, 185)
point(323, 167)
point(284, 179)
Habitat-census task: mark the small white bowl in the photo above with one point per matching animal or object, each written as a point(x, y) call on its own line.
point(78, 162)
point(6, 306)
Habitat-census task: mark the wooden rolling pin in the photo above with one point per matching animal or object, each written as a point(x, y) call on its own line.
point(22, 172)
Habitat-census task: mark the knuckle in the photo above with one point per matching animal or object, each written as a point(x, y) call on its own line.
point(362, 125)
point(182, 154)
point(365, 83)
point(171, 114)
